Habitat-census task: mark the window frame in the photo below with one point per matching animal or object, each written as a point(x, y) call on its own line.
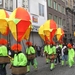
point(50, 16)
point(27, 7)
point(50, 3)
point(8, 5)
point(1, 5)
point(41, 10)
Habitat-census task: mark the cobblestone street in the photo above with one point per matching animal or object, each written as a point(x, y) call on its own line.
point(43, 69)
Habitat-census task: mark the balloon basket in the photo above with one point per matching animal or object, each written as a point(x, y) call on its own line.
point(51, 56)
point(4, 59)
point(31, 56)
point(17, 70)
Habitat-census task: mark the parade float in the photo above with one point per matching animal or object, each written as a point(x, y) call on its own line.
point(19, 24)
point(4, 58)
point(60, 34)
point(47, 32)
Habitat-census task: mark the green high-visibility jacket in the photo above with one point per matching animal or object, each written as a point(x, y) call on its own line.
point(50, 50)
point(54, 49)
point(3, 51)
point(30, 50)
point(46, 49)
point(60, 46)
point(19, 60)
point(71, 53)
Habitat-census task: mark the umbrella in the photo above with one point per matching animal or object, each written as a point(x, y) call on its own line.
point(3, 22)
point(19, 23)
point(50, 29)
point(59, 34)
point(41, 33)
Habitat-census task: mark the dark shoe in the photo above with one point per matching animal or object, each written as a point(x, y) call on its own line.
point(47, 63)
point(28, 71)
point(36, 69)
point(51, 69)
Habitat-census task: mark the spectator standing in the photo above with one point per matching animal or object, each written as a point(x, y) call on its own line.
point(64, 54)
point(38, 50)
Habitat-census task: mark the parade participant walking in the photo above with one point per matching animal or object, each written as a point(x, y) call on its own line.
point(3, 66)
point(38, 50)
point(30, 52)
point(51, 52)
point(19, 59)
point(58, 52)
point(61, 44)
point(64, 54)
point(10, 52)
point(54, 50)
point(70, 55)
point(3, 52)
point(46, 52)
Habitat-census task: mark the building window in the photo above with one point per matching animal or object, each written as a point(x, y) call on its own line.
point(9, 5)
point(59, 22)
point(55, 18)
point(71, 3)
point(41, 9)
point(63, 0)
point(64, 22)
point(64, 10)
point(50, 16)
point(1, 3)
point(50, 3)
point(66, 3)
point(59, 8)
point(54, 5)
point(25, 4)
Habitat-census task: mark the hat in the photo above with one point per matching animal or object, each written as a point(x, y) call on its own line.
point(53, 43)
point(16, 47)
point(61, 42)
point(3, 41)
point(45, 42)
point(69, 45)
point(29, 43)
point(48, 42)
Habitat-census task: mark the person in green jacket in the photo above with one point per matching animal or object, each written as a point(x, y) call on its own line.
point(19, 59)
point(30, 51)
point(46, 52)
point(70, 55)
point(3, 52)
point(52, 52)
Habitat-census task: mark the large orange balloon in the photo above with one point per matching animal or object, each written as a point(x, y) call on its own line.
point(59, 34)
point(19, 23)
point(50, 28)
point(3, 22)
